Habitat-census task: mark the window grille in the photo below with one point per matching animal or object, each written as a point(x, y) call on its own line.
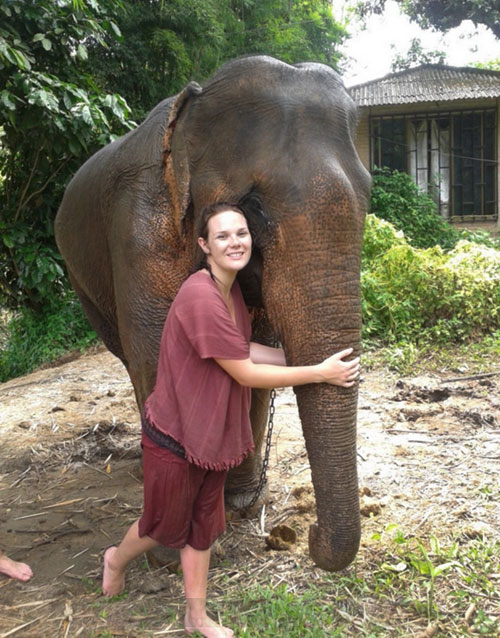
point(450, 155)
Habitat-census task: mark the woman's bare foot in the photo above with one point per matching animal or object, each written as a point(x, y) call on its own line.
point(113, 579)
point(206, 626)
point(14, 569)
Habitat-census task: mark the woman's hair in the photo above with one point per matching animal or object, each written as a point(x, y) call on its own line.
point(210, 211)
point(206, 215)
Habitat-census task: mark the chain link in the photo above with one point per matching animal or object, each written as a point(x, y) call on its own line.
point(265, 462)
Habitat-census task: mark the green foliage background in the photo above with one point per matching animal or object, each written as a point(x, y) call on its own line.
point(423, 295)
point(52, 116)
point(75, 74)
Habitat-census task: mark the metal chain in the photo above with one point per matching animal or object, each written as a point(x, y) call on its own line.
point(265, 462)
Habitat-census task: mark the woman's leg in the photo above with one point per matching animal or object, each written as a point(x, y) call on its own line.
point(14, 569)
point(116, 559)
point(195, 565)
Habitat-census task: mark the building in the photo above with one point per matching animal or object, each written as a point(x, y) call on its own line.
point(440, 124)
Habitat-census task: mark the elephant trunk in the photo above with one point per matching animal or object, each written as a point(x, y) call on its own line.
point(328, 416)
point(329, 312)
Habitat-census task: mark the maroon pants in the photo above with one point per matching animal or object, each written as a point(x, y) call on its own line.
point(183, 503)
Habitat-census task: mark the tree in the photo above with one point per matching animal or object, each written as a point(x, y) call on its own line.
point(442, 14)
point(294, 30)
point(416, 56)
point(166, 44)
point(63, 68)
point(492, 65)
point(52, 116)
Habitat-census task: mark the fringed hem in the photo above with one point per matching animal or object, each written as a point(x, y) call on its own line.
point(219, 466)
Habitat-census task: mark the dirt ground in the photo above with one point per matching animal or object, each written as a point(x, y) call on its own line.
point(70, 485)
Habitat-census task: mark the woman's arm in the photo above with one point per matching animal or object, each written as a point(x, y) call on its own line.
point(264, 354)
point(264, 375)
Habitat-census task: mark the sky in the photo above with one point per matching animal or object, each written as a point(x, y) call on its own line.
point(372, 51)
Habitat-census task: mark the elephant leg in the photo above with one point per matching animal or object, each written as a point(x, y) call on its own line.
point(242, 481)
point(106, 329)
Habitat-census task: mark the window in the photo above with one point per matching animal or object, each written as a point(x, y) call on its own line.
point(452, 156)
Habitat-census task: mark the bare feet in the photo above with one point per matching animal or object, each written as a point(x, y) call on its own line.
point(113, 579)
point(206, 626)
point(13, 569)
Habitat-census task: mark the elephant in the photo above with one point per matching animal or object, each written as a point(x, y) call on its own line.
point(277, 139)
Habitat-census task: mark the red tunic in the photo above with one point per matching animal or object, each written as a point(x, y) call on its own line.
point(194, 400)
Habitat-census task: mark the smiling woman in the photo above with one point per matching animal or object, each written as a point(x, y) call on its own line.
point(227, 245)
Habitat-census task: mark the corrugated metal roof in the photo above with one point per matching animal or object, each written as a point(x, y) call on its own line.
point(428, 83)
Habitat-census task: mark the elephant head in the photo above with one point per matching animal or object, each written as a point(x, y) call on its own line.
point(278, 139)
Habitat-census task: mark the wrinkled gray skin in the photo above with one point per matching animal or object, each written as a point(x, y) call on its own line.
point(279, 139)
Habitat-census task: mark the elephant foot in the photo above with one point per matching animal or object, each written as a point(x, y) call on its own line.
point(238, 502)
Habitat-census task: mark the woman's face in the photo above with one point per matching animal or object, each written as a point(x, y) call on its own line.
point(229, 244)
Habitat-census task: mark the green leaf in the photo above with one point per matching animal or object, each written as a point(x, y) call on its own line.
point(81, 52)
point(7, 100)
point(74, 147)
point(47, 44)
point(398, 567)
point(442, 568)
point(87, 116)
point(116, 29)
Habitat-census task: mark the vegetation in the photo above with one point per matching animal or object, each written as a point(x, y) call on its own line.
point(400, 585)
point(417, 295)
point(30, 339)
point(166, 44)
point(417, 55)
point(442, 14)
point(424, 582)
point(424, 283)
point(43, 48)
point(397, 199)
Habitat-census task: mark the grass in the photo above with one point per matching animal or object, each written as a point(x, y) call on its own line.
point(411, 585)
point(399, 586)
point(469, 357)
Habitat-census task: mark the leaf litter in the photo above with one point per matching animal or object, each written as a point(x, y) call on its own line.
point(70, 485)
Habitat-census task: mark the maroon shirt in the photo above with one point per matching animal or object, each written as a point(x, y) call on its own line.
point(194, 400)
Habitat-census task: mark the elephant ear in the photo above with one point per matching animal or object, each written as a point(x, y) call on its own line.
point(176, 158)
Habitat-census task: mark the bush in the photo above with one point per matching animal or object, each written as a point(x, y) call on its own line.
point(379, 237)
point(411, 294)
point(396, 198)
point(33, 338)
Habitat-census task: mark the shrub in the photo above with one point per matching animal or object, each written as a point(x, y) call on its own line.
point(410, 294)
point(379, 237)
point(396, 198)
point(32, 338)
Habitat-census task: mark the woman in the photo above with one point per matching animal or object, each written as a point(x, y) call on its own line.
point(196, 421)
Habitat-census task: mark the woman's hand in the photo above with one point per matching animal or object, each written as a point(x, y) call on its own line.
point(338, 372)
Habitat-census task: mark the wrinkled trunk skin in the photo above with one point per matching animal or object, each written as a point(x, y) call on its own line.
point(313, 301)
point(328, 418)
